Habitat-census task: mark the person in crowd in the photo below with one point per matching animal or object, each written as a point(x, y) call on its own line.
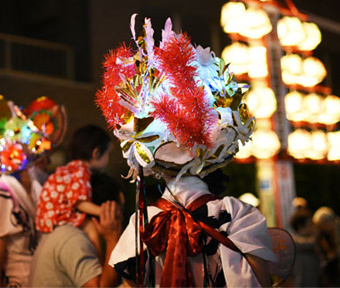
point(326, 221)
point(307, 260)
point(23, 158)
point(108, 189)
point(300, 203)
point(66, 197)
point(18, 237)
point(104, 188)
point(177, 111)
point(67, 258)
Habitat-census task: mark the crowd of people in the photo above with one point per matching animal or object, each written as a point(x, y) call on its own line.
point(60, 213)
point(316, 237)
point(60, 230)
point(176, 110)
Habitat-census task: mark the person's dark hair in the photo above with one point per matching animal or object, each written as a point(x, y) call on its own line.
point(104, 188)
point(86, 139)
point(217, 181)
point(300, 219)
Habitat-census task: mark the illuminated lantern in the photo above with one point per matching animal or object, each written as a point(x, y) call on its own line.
point(299, 142)
point(313, 72)
point(265, 143)
point(331, 110)
point(293, 105)
point(261, 102)
point(250, 199)
point(238, 54)
point(311, 106)
point(334, 143)
point(244, 150)
point(319, 147)
point(290, 31)
point(258, 67)
point(312, 38)
point(292, 68)
point(256, 23)
point(232, 15)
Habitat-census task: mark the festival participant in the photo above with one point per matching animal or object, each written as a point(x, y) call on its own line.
point(24, 143)
point(66, 197)
point(177, 111)
point(67, 258)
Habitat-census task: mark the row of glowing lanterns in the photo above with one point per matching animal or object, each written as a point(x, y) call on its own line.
point(310, 108)
point(302, 144)
point(254, 23)
point(294, 35)
point(252, 60)
point(300, 107)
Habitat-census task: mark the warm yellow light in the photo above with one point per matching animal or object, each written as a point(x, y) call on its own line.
point(256, 23)
point(290, 31)
point(334, 143)
point(232, 15)
point(250, 199)
point(331, 110)
point(265, 143)
point(244, 150)
point(319, 147)
point(306, 72)
point(238, 55)
point(312, 37)
point(292, 63)
point(293, 105)
point(292, 68)
point(299, 142)
point(312, 105)
point(258, 67)
point(261, 102)
point(313, 72)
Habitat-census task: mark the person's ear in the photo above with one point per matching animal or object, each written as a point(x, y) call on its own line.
point(95, 154)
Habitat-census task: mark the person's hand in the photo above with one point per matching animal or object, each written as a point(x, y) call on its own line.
point(110, 224)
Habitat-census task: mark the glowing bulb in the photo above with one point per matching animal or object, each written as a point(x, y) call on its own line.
point(290, 31)
point(299, 142)
point(256, 23)
point(265, 143)
point(258, 67)
point(293, 105)
point(232, 14)
point(238, 55)
point(312, 37)
point(261, 102)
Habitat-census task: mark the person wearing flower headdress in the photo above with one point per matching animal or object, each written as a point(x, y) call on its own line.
point(24, 145)
point(177, 112)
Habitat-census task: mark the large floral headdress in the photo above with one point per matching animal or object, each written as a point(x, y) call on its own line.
point(27, 134)
point(175, 108)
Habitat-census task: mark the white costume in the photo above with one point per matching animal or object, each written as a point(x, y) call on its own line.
point(19, 242)
point(176, 109)
point(247, 229)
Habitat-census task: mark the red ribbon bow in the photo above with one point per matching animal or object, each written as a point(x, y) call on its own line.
point(175, 230)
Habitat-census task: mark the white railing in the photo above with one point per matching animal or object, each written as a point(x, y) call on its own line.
point(27, 55)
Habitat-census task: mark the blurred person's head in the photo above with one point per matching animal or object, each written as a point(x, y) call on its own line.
point(299, 203)
point(301, 222)
point(91, 144)
point(325, 219)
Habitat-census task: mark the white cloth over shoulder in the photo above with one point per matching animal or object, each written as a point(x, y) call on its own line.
point(18, 255)
point(247, 229)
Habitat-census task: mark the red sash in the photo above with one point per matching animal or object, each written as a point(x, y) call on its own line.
point(175, 230)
